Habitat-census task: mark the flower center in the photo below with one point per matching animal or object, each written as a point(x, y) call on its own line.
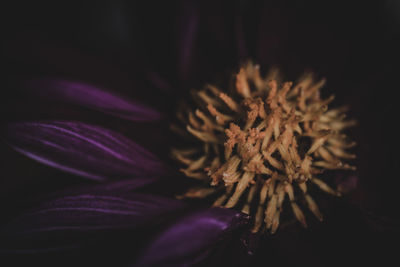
point(261, 142)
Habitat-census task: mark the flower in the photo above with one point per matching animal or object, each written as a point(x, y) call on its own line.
point(77, 218)
point(69, 120)
point(286, 138)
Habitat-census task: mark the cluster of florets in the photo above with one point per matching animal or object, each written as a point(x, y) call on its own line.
point(262, 140)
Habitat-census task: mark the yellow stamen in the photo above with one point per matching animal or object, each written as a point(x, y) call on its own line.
point(280, 132)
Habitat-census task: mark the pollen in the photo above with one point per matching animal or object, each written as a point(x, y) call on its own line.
point(260, 144)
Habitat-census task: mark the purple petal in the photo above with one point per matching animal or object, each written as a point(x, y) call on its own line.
point(158, 81)
point(189, 240)
point(240, 38)
point(346, 184)
point(89, 96)
point(82, 149)
point(117, 187)
point(73, 221)
point(188, 36)
point(272, 34)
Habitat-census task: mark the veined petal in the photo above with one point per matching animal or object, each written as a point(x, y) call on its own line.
point(92, 97)
point(189, 240)
point(83, 149)
point(73, 221)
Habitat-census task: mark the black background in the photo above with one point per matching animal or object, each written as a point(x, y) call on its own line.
point(123, 44)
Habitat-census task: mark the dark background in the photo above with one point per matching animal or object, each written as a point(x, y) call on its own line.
point(155, 50)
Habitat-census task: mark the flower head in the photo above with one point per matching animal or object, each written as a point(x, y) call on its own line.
point(263, 141)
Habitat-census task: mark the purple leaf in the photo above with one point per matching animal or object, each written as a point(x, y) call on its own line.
point(190, 240)
point(89, 96)
point(73, 221)
point(82, 149)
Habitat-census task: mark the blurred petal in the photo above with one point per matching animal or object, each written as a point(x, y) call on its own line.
point(346, 184)
point(273, 30)
point(158, 82)
point(242, 53)
point(89, 96)
point(190, 240)
point(73, 221)
point(117, 187)
point(188, 35)
point(82, 149)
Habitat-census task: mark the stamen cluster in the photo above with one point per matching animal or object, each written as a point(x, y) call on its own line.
point(262, 140)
